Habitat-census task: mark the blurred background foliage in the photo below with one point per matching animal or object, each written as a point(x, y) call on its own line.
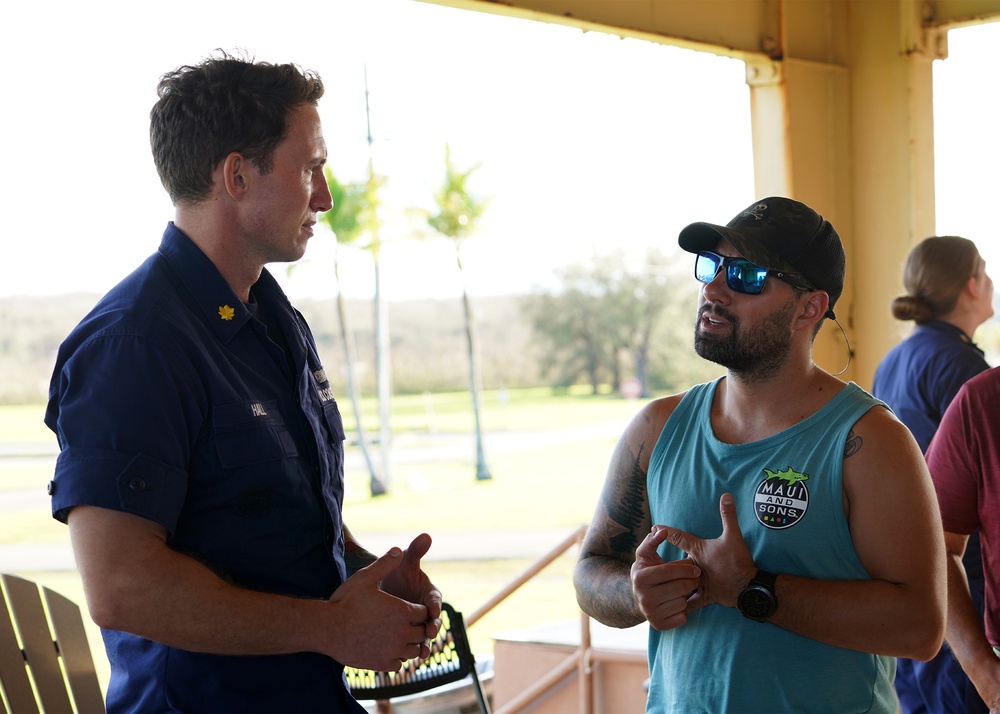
point(603, 321)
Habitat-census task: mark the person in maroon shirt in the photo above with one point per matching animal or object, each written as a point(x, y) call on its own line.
point(964, 461)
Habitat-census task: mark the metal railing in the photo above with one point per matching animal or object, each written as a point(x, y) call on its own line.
point(580, 661)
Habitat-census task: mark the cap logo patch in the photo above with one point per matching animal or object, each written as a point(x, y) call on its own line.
point(755, 212)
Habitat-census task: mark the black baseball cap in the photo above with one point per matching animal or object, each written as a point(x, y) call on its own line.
point(783, 235)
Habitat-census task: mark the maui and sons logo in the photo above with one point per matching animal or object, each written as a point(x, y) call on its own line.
point(781, 499)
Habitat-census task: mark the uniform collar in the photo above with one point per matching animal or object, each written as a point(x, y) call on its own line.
point(221, 308)
point(948, 329)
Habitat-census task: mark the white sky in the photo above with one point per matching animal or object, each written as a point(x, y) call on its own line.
point(584, 139)
point(967, 142)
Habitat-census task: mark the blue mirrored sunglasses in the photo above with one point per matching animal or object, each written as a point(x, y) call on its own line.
point(741, 275)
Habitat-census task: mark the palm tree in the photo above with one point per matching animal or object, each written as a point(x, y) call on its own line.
point(383, 382)
point(457, 217)
point(347, 219)
point(383, 372)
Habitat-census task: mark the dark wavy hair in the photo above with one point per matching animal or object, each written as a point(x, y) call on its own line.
point(225, 104)
point(934, 276)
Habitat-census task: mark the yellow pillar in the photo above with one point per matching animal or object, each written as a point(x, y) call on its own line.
point(893, 163)
point(841, 122)
point(801, 137)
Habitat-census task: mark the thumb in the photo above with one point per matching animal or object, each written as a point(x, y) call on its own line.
point(418, 548)
point(381, 568)
point(730, 519)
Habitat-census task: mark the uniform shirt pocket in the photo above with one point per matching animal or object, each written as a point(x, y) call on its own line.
point(251, 432)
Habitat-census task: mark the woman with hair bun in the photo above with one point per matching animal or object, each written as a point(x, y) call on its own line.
point(948, 295)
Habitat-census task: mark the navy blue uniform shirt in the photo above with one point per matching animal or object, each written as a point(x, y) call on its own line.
point(171, 401)
point(923, 373)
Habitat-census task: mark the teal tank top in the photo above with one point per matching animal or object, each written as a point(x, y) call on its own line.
point(789, 499)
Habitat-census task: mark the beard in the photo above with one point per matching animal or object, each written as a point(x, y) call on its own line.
point(750, 354)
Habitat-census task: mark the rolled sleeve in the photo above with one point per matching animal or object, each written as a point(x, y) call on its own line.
point(137, 484)
point(125, 414)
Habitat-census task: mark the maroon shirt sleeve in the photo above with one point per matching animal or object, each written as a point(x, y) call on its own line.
point(963, 449)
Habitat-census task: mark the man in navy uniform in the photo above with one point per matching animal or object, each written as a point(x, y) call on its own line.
point(201, 468)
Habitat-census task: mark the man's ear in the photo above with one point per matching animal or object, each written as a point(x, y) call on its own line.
point(235, 175)
point(815, 308)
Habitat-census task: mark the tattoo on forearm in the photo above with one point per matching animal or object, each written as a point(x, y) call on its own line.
point(625, 499)
point(356, 558)
point(853, 444)
point(607, 593)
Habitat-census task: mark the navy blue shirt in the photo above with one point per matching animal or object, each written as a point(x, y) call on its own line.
point(923, 373)
point(171, 401)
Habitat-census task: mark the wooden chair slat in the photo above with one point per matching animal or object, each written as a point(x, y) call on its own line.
point(39, 645)
point(13, 670)
point(78, 661)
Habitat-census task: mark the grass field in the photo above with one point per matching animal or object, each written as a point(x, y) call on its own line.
point(543, 486)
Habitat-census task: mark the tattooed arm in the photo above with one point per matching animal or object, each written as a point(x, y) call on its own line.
point(621, 521)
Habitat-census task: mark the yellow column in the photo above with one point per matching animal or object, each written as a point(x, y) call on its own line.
point(843, 123)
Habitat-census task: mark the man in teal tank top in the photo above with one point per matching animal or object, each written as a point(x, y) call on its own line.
point(770, 526)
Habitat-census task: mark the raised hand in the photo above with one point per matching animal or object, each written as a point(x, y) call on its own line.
point(725, 562)
point(411, 583)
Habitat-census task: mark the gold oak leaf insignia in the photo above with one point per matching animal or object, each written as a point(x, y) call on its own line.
point(226, 312)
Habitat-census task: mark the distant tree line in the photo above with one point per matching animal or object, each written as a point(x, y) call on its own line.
point(31, 330)
point(602, 322)
point(554, 338)
point(616, 317)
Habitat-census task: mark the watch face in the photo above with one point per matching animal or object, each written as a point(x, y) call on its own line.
point(756, 603)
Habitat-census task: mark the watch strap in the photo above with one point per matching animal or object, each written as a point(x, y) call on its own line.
point(765, 579)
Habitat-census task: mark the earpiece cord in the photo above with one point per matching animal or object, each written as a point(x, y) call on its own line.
point(850, 352)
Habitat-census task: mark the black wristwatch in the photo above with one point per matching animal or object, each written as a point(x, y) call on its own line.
point(757, 601)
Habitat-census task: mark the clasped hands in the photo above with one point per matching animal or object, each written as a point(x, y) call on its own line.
point(713, 572)
point(391, 608)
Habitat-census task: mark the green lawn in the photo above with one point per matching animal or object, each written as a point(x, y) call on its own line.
point(545, 486)
point(538, 408)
